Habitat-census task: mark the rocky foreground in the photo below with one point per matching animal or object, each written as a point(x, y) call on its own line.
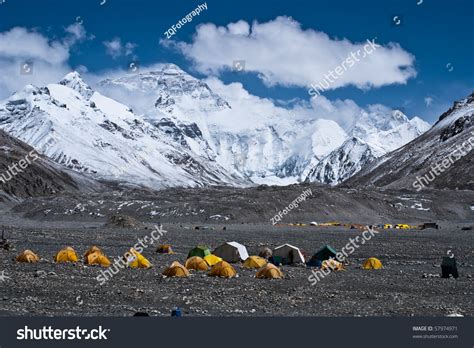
point(409, 284)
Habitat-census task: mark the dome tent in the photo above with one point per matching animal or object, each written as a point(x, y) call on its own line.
point(67, 254)
point(254, 262)
point(27, 256)
point(176, 270)
point(372, 263)
point(197, 263)
point(200, 251)
point(269, 271)
point(222, 269)
point(211, 260)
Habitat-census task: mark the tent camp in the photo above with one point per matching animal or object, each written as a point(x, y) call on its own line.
point(66, 255)
point(269, 271)
point(211, 260)
point(27, 256)
point(200, 251)
point(254, 262)
point(222, 269)
point(176, 270)
point(196, 263)
point(324, 253)
point(231, 252)
point(164, 249)
point(136, 260)
point(289, 254)
point(372, 263)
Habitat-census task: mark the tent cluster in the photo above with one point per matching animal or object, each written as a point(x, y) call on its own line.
point(93, 256)
point(326, 258)
point(218, 263)
point(401, 226)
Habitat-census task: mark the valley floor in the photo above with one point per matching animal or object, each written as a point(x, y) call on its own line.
point(403, 287)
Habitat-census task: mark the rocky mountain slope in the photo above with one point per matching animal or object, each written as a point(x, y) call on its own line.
point(25, 173)
point(440, 158)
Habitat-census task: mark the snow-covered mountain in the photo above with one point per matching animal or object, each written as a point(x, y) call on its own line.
point(166, 128)
point(374, 135)
point(88, 132)
point(342, 163)
point(268, 149)
point(442, 157)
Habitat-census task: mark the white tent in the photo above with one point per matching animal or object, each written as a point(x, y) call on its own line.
point(289, 252)
point(232, 252)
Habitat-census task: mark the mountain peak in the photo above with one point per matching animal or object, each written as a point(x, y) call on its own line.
point(74, 81)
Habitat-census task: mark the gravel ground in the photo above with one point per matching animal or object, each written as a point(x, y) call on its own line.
point(408, 285)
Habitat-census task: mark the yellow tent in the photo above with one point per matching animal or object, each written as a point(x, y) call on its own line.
point(372, 263)
point(136, 260)
point(92, 250)
point(164, 249)
point(97, 258)
point(27, 256)
point(254, 262)
point(176, 270)
point(332, 265)
point(196, 263)
point(222, 269)
point(402, 226)
point(211, 259)
point(269, 271)
point(66, 255)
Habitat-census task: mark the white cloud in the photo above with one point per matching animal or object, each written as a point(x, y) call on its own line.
point(21, 43)
point(48, 58)
point(281, 52)
point(115, 48)
point(77, 33)
point(428, 101)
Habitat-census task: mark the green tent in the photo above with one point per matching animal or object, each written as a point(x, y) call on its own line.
point(325, 253)
point(200, 251)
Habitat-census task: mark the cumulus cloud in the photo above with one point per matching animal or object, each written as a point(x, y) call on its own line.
point(282, 53)
point(47, 58)
point(115, 48)
point(76, 33)
point(21, 43)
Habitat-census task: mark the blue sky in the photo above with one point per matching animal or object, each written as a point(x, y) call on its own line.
point(436, 33)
